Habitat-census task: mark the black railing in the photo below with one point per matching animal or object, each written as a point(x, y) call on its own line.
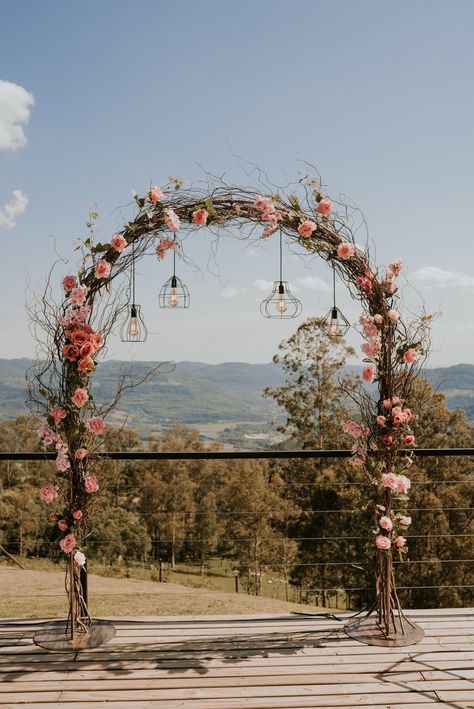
point(288, 455)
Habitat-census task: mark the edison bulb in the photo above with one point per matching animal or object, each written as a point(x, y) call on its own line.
point(334, 329)
point(133, 327)
point(281, 305)
point(173, 300)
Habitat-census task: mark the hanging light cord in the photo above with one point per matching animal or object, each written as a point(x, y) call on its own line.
point(334, 286)
point(174, 256)
point(133, 272)
point(281, 255)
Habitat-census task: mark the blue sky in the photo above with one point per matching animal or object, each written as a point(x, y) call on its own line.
point(376, 94)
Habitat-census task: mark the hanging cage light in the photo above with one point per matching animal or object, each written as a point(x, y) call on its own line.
point(133, 328)
point(335, 324)
point(281, 303)
point(174, 293)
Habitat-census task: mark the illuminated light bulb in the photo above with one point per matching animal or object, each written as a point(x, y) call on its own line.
point(133, 327)
point(173, 300)
point(334, 327)
point(281, 305)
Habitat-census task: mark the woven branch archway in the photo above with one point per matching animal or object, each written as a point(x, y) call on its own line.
point(77, 330)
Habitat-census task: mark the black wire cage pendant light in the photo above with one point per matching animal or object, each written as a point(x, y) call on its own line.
point(334, 324)
point(133, 328)
point(174, 293)
point(281, 303)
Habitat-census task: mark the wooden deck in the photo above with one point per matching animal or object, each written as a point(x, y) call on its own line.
point(251, 662)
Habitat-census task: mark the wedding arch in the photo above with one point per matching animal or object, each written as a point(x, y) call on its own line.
point(75, 331)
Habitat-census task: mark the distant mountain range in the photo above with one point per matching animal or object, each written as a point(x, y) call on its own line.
point(224, 401)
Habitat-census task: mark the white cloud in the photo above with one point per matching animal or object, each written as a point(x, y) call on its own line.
point(434, 276)
point(312, 283)
point(12, 209)
point(263, 286)
point(232, 291)
point(15, 105)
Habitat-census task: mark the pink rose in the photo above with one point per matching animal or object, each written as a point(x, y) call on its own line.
point(393, 315)
point(382, 542)
point(69, 282)
point(381, 420)
point(96, 341)
point(87, 349)
point(80, 397)
point(400, 542)
point(77, 514)
point(102, 268)
point(172, 220)
point(404, 521)
point(386, 523)
point(78, 295)
point(62, 462)
point(306, 228)
point(163, 246)
point(410, 356)
point(269, 230)
point(387, 403)
point(345, 251)
point(53, 517)
point(394, 269)
point(49, 493)
point(156, 194)
point(410, 440)
point(85, 364)
point(403, 484)
point(378, 319)
point(397, 420)
point(68, 543)
point(118, 242)
point(91, 483)
point(80, 558)
point(63, 525)
point(368, 373)
point(80, 453)
point(324, 207)
point(79, 337)
point(200, 217)
point(58, 413)
point(71, 352)
point(387, 440)
point(390, 480)
point(96, 425)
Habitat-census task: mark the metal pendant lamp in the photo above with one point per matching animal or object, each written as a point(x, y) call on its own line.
point(281, 303)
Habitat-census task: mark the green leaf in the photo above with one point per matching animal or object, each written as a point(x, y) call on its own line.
point(294, 201)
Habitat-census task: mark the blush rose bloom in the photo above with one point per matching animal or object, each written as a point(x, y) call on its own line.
point(172, 220)
point(345, 251)
point(80, 397)
point(390, 480)
point(382, 542)
point(387, 440)
point(404, 521)
point(156, 195)
point(400, 542)
point(80, 453)
point(78, 295)
point(85, 364)
point(77, 514)
point(410, 356)
point(381, 420)
point(403, 484)
point(118, 242)
point(49, 493)
point(393, 315)
point(69, 282)
point(87, 349)
point(80, 558)
point(63, 525)
point(58, 413)
point(386, 523)
point(91, 484)
point(410, 440)
point(200, 217)
point(96, 425)
point(324, 207)
point(306, 228)
point(68, 543)
point(368, 373)
point(71, 352)
point(102, 269)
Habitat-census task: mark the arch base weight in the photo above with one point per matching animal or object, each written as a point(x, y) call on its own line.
point(367, 630)
point(55, 637)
